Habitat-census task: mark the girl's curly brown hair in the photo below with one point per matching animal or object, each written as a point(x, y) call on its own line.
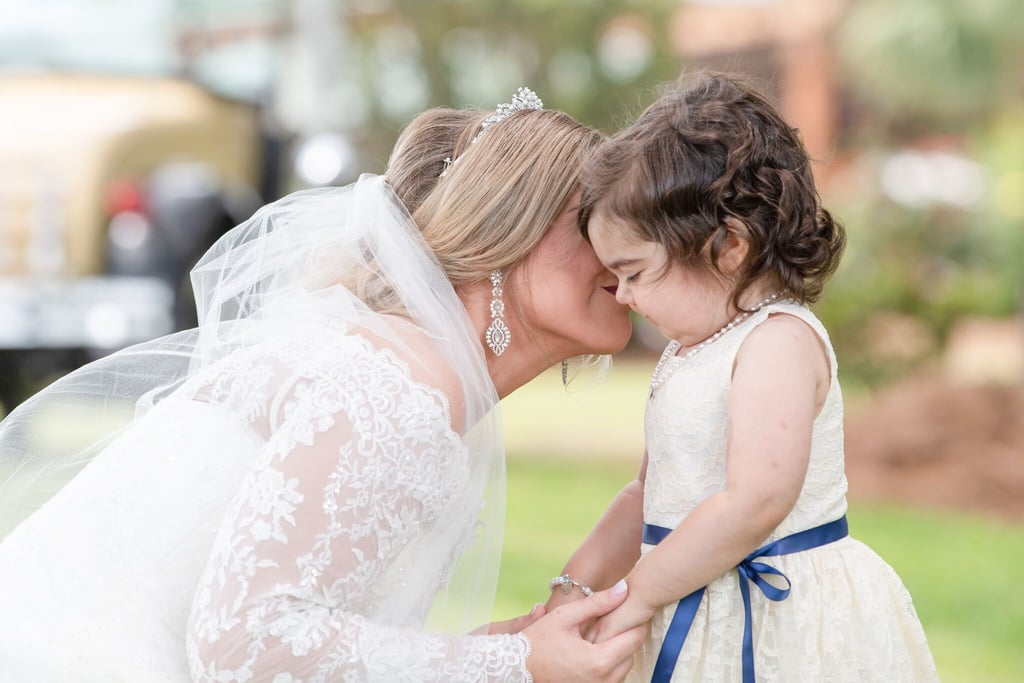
point(709, 149)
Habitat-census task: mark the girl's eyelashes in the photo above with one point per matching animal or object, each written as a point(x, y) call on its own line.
point(630, 279)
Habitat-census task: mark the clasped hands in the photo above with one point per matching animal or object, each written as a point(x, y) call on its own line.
point(578, 639)
point(630, 614)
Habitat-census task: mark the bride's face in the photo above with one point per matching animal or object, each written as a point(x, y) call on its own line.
point(567, 297)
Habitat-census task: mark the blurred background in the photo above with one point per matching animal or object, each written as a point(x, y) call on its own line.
point(134, 132)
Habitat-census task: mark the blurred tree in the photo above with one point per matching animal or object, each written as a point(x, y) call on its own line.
point(936, 221)
point(934, 64)
point(592, 58)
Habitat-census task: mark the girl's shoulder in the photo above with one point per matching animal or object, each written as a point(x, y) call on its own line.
point(789, 316)
point(787, 329)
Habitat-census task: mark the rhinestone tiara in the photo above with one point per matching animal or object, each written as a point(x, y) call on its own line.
point(523, 99)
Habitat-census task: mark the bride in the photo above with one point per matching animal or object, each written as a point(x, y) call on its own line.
point(310, 484)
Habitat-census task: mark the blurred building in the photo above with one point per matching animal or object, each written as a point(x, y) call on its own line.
point(785, 44)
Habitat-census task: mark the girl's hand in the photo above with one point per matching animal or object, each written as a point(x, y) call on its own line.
point(632, 613)
point(560, 654)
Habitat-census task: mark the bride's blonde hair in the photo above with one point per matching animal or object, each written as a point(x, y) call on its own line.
point(492, 207)
point(498, 199)
point(418, 157)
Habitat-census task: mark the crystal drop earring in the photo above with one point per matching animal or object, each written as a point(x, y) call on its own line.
point(498, 334)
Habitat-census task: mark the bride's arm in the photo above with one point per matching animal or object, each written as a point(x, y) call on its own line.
point(343, 486)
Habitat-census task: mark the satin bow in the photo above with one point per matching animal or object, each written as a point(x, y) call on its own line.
point(749, 571)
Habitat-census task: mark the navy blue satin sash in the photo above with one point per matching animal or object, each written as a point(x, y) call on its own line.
point(748, 571)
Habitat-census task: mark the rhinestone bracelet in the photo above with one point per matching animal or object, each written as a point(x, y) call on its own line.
point(567, 583)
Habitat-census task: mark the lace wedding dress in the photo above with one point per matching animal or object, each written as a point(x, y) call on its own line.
point(848, 616)
point(321, 483)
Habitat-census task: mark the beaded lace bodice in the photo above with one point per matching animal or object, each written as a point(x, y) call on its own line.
point(328, 494)
point(686, 434)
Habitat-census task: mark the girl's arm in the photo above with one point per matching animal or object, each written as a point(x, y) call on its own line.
point(780, 380)
point(612, 547)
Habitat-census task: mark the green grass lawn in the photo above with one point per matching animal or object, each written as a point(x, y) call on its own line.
point(964, 571)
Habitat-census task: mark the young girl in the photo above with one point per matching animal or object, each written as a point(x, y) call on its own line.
point(733, 540)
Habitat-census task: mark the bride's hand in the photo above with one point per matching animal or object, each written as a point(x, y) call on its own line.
point(517, 624)
point(561, 655)
point(626, 616)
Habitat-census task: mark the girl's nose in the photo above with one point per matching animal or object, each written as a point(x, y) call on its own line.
point(621, 293)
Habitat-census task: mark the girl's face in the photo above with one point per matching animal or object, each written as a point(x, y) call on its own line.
point(684, 303)
point(566, 297)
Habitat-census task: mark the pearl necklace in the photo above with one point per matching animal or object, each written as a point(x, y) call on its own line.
point(670, 362)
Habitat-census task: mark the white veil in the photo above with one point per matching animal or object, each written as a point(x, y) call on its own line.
point(344, 257)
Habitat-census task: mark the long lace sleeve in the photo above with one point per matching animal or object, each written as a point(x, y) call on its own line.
point(327, 562)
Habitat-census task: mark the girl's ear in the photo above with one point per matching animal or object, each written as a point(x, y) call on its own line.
point(737, 245)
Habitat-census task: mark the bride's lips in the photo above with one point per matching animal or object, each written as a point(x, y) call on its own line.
point(611, 289)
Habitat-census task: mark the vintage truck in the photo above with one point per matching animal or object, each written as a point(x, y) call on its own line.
point(132, 134)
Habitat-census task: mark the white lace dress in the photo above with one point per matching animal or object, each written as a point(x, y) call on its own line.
point(848, 616)
point(290, 558)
